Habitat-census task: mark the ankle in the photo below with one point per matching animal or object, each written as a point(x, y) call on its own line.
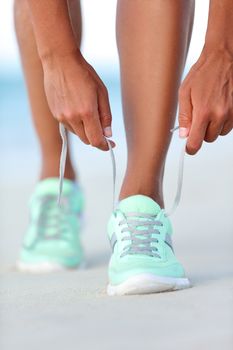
point(155, 194)
point(51, 169)
point(48, 174)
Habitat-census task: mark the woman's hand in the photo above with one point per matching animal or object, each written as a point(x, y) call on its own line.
point(78, 98)
point(206, 99)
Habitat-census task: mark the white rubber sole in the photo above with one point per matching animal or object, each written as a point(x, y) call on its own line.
point(45, 267)
point(147, 283)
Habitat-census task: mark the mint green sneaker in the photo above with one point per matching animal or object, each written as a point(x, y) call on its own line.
point(143, 259)
point(52, 241)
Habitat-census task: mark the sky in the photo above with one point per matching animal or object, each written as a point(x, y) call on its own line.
point(99, 32)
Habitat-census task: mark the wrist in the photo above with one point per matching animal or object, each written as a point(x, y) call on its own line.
point(56, 58)
point(219, 38)
point(218, 47)
point(52, 53)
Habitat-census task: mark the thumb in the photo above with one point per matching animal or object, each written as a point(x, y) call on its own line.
point(185, 113)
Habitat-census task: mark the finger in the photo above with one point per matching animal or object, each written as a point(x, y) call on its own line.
point(105, 112)
point(196, 134)
point(68, 127)
point(213, 131)
point(78, 129)
point(227, 127)
point(94, 132)
point(185, 112)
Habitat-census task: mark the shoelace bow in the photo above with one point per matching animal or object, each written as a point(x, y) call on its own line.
point(144, 244)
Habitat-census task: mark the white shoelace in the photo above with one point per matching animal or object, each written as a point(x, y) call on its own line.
point(63, 163)
point(177, 198)
point(62, 160)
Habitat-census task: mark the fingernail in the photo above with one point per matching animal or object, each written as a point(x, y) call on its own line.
point(183, 133)
point(108, 131)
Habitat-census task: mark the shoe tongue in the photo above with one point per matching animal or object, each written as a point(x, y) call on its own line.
point(51, 187)
point(139, 203)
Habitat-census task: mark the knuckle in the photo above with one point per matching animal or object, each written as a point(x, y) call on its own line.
point(220, 114)
point(61, 118)
point(86, 113)
point(107, 118)
point(69, 116)
point(96, 142)
point(183, 117)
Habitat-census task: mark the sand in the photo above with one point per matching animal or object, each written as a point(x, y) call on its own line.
point(70, 310)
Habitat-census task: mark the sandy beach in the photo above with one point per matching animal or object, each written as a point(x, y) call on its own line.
point(71, 309)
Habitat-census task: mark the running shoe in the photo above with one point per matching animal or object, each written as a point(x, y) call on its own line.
point(143, 259)
point(52, 241)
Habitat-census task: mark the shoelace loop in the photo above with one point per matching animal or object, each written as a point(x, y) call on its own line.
point(63, 162)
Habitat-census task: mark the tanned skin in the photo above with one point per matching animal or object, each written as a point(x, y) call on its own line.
point(153, 39)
